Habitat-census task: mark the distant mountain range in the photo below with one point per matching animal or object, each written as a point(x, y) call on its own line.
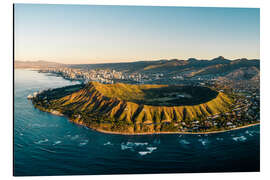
point(36, 64)
point(238, 69)
point(243, 69)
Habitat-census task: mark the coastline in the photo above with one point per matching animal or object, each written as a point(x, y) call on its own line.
point(57, 113)
point(149, 133)
point(156, 133)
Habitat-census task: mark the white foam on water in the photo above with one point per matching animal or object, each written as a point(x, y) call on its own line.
point(240, 138)
point(47, 150)
point(41, 141)
point(56, 142)
point(151, 149)
point(141, 144)
point(19, 145)
point(143, 153)
point(203, 141)
point(83, 143)
point(132, 146)
point(75, 137)
point(108, 143)
point(124, 147)
point(129, 143)
point(136, 143)
point(249, 132)
point(183, 141)
point(219, 139)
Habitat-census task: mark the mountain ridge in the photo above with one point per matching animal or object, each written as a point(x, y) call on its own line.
point(115, 114)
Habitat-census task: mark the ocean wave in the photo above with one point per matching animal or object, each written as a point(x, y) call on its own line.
point(203, 141)
point(75, 137)
point(124, 147)
point(143, 153)
point(83, 143)
point(19, 145)
point(219, 139)
point(141, 144)
point(249, 132)
point(132, 146)
point(240, 138)
point(41, 141)
point(151, 149)
point(183, 141)
point(108, 143)
point(56, 142)
point(47, 150)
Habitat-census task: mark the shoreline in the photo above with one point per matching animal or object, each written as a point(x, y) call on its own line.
point(155, 133)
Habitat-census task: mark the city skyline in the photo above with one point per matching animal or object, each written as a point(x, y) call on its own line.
point(74, 34)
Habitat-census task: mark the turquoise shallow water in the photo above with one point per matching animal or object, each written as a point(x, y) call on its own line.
point(45, 144)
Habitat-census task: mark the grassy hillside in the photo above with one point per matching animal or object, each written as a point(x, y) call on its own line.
point(113, 108)
point(228, 67)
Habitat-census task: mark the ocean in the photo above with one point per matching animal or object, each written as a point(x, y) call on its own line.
point(45, 144)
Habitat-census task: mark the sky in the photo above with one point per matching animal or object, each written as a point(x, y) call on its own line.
point(76, 34)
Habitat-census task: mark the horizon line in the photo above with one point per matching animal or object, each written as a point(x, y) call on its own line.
point(126, 61)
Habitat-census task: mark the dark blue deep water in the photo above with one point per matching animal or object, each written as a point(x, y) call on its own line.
point(45, 144)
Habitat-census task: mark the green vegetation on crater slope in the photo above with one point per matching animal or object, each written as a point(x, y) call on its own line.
point(157, 95)
point(131, 109)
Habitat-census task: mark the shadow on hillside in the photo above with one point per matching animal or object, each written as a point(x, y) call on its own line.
point(177, 95)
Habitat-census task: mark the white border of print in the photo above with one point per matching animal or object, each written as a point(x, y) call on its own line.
point(7, 79)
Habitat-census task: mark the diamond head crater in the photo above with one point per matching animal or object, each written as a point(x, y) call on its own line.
point(164, 96)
